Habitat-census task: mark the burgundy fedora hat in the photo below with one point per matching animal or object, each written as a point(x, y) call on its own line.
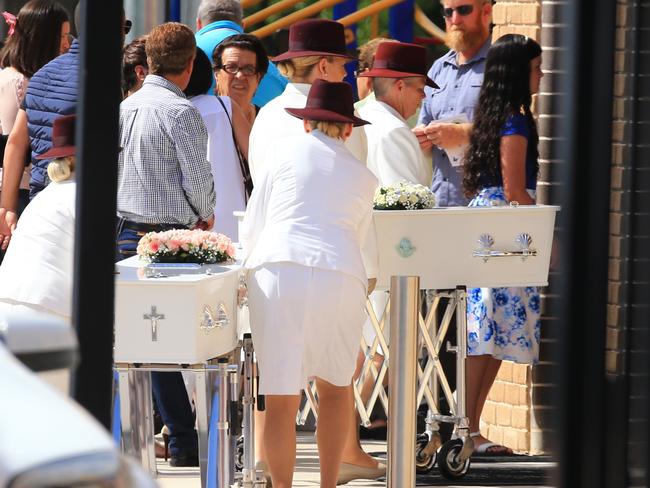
point(315, 37)
point(62, 138)
point(329, 102)
point(399, 60)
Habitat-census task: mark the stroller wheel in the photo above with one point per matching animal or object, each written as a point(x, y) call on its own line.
point(425, 452)
point(239, 454)
point(451, 467)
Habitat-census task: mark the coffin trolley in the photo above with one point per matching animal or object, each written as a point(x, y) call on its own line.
point(183, 317)
point(450, 249)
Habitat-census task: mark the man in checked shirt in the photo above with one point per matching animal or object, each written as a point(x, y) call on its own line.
point(165, 182)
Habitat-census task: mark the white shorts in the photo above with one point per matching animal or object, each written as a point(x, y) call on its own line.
point(305, 322)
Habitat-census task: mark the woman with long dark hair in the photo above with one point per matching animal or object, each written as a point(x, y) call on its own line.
point(501, 168)
point(39, 33)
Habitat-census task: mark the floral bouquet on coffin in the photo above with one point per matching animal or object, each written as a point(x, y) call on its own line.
point(186, 246)
point(403, 196)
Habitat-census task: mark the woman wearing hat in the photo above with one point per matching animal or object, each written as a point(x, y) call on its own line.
point(316, 51)
point(36, 273)
point(303, 234)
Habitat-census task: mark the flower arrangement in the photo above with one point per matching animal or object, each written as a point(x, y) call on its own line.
point(186, 246)
point(403, 196)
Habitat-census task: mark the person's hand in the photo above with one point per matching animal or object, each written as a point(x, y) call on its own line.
point(210, 223)
point(205, 224)
point(8, 222)
point(372, 283)
point(447, 135)
point(423, 140)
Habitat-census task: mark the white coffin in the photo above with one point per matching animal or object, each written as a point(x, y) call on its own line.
point(199, 309)
point(440, 244)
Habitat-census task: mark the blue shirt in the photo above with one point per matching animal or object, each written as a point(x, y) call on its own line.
point(51, 92)
point(460, 86)
point(517, 125)
point(271, 85)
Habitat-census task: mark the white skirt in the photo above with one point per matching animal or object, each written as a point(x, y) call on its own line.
point(305, 322)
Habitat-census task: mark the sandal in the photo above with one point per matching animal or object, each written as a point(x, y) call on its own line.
point(490, 448)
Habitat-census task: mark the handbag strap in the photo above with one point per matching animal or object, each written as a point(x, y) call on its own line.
point(243, 162)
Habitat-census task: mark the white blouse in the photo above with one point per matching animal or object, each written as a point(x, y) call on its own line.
point(222, 155)
point(312, 205)
point(393, 150)
point(273, 123)
point(37, 269)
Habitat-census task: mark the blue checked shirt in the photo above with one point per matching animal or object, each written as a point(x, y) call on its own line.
point(460, 86)
point(164, 176)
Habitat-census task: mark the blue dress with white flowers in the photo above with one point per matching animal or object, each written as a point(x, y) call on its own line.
point(503, 322)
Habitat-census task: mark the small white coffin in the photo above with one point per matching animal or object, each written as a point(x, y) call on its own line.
point(174, 315)
point(471, 246)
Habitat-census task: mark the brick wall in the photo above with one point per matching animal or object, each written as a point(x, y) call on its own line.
point(628, 308)
point(509, 415)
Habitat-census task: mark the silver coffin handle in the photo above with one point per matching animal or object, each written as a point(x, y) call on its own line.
point(486, 242)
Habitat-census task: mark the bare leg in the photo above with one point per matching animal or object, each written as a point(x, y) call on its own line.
point(280, 437)
point(476, 367)
point(481, 373)
point(333, 428)
point(260, 420)
point(353, 453)
point(489, 376)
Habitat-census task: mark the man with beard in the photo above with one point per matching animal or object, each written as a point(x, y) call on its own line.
point(459, 74)
point(444, 125)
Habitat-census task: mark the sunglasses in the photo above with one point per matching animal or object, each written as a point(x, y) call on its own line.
point(462, 10)
point(127, 26)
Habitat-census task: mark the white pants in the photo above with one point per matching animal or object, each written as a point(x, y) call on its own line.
point(305, 322)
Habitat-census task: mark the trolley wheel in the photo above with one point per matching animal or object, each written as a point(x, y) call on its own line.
point(448, 463)
point(239, 454)
point(425, 453)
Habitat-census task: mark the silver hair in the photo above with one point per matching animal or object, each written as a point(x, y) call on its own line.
point(210, 11)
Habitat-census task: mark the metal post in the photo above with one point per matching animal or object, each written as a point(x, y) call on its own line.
point(223, 453)
point(248, 401)
point(404, 314)
point(97, 145)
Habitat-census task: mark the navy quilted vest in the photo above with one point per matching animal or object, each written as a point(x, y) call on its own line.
point(51, 92)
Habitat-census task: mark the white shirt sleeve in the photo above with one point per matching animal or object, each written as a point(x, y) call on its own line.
point(369, 246)
point(255, 216)
point(399, 157)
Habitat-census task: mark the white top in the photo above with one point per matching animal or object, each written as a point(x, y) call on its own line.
point(312, 206)
point(13, 86)
point(393, 150)
point(37, 269)
point(222, 155)
point(274, 123)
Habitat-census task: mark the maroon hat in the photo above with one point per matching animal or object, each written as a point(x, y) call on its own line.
point(62, 138)
point(315, 37)
point(329, 102)
point(399, 60)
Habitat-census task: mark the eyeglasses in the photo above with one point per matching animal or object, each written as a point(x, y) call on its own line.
point(127, 26)
point(462, 10)
point(233, 69)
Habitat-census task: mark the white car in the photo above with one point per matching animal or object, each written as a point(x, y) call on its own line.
point(47, 440)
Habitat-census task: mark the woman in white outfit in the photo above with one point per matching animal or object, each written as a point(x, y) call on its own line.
point(36, 272)
point(316, 51)
point(303, 233)
point(228, 132)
